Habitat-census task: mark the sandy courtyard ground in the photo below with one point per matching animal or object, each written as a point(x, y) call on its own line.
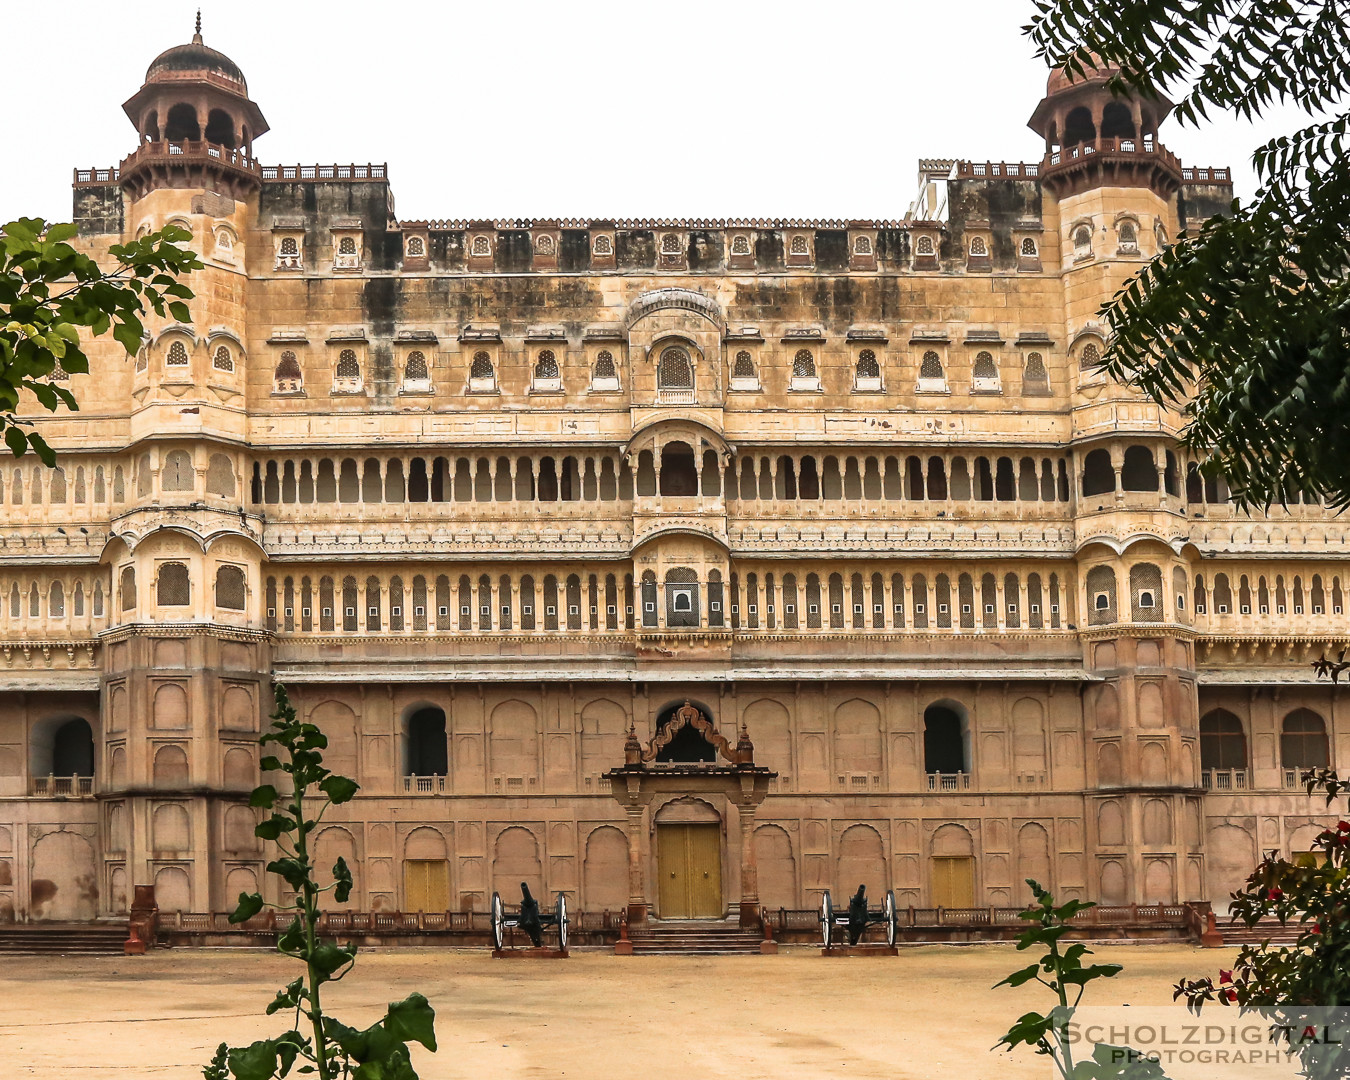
point(929, 1013)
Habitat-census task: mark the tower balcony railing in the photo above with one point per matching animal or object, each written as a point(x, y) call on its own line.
point(163, 150)
point(675, 396)
point(1145, 147)
point(949, 781)
point(61, 787)
point(1224, 779)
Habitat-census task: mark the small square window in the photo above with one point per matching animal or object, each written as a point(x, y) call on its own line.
point(754, 610)
point(1317, 609)
point(1279, 610)
point(790, 608)
point(506, 611)
point(394, 612)
point(373, 613)
point(528, 609)
point(1181, 602)
point(1035, 609)
point(648, 606)
point(814, 609)
point(876, 609)
point(630, 609)
point(735, 609)
point(988, 609)
point(419, 611)
point(593, 610)
point(1145, 599)
point(550, 610)
point(327, 613)
point(919, 609)
point(716, 605)
point(770, 609)
point(443, 610)
point(1054, 609)
point(857, 609)
point(351, 613)
point(1298, 609)
point(573, 609)
point(834, 609)
point(942, 609)
point(610, 610)
point(305, 613)
point(1246, 609)
point(965, 609)
point(464, 610)
point(290, 613)
point(1012, 609)
point(899, 608)
point(1336, 610)
point(484, 610)
point(1199, 609)
point(1223, 609)
point(271, 613)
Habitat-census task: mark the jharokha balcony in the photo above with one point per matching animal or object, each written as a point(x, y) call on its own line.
point(1126, 161)
point(189, 163)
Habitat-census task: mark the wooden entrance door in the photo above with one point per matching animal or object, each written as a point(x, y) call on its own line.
point(689, 862)
point(426, 885)
point(954, 881)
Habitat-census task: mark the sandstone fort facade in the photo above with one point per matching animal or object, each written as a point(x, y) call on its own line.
point(679, 566)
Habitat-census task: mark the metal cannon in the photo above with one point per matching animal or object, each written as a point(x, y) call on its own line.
point(856, 918)
point(530, 919)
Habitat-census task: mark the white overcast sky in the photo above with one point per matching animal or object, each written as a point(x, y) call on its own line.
point(519, 108)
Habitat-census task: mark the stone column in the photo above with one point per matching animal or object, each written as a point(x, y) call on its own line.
point(749, 868)
point(637, 892)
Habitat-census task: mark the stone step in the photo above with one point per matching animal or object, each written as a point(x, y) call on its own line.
point(82, 939)
point(694, 939)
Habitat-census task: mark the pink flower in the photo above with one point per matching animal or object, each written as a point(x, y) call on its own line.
point(1225, 976)
point(1343, 826)
point(1230, 994)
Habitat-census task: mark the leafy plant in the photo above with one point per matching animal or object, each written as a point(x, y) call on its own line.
point(1280, 981)
point(48, 291)
point(1245, 327)
point(329, 1049)
point(1063, 972)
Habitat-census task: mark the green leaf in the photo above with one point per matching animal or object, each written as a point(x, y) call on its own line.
point(16, 440)
point(249, 905)
point(413, 1020)
point(264, 796)
point(339, 789)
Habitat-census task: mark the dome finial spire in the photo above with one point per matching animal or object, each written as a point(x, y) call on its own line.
point(197, 37)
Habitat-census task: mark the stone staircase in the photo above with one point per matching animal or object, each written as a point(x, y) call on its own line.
point(694, 937)
point(63, 939)
point(1266, 930)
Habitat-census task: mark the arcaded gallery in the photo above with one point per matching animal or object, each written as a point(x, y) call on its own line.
point(687, 568)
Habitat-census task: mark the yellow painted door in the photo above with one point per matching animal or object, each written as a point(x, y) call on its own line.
point(954, 882)
point(426, 885)
point(689, 862)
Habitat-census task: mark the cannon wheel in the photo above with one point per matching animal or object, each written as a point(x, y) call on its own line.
point(562, 922)
point(498, 921)
point(827, 918)
point(890, 917)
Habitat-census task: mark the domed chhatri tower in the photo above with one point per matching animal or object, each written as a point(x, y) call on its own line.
point(1116, 189)
point(185, 664)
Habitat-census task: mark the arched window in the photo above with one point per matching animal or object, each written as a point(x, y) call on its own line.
point(740, 245)
point(944, 744)
point(679, 472)
point(416, 248)
point(1303, 741)
point(923, 246)
point(287, 379)
point(1090, 358)
point(546, 367)
point(177, 473)
point(56, 601)
point(71, 749)
point(544, 245)
point(670, 244)
point(173, 588)
point(224, 241)
point(868, 371)
point(230, 591)
point(1139, 472)
point(803, 365)
point(799, 246)
point(745, 366)
point(978, 248)
point(481, 246)
point(1098, 475)
point(425, 749)
point(931, 376)
point(415, 370)
point(675, 371)
point(348, 374)
point(289, 246)
point(288, 253)
point(862, 245)
point(603, 246)
point(1129, 238)
point(222, 360)
point(984, 368)
point(1028, 248)
point(127, 588)
point(1035, 379)
point(481, 375)
point(347, 246)
point(177, 355)
point(1082, 241)
point(605, 375)
point(1223, 743)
